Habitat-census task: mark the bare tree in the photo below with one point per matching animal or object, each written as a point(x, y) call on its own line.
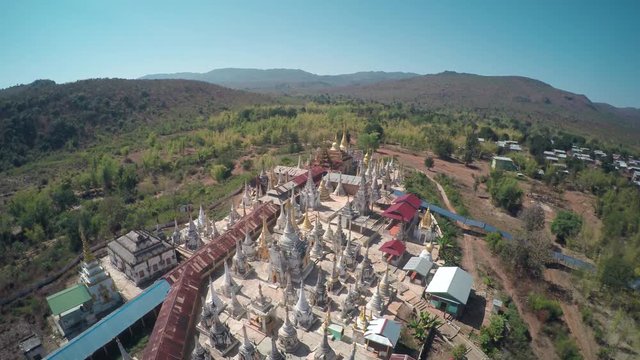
point(533, 218)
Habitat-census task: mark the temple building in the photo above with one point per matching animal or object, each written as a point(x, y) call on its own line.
point(141, 256)
point(79, 306)
point(290, 254)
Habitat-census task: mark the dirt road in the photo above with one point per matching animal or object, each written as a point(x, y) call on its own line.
point(475, 253)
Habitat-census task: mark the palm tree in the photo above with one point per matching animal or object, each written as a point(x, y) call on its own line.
point(422, 325)
point(444, 242)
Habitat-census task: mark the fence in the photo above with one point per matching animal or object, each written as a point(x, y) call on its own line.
point(557, 256)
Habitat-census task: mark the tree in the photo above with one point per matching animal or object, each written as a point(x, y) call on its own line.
point(471, 148)
point(369, 141)
point(459, 352)
point(566, 224)
point(422, 325)
point(442, 147)
point(615, 271)
point(428, 162)
point(533, 218)
point(505, 191)
point(219, 172)
point(487, 133)
point(528, 253)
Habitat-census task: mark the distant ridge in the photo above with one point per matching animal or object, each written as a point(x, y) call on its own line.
point(290, 81)
point(516, 96)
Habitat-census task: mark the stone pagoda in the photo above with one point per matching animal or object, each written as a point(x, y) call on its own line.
point(262, 252)
point(275, 353)
point(339, 190)
point(193, 241)
point(319, 295)
point(241, 267)
point(361, 199)
point(324, 350)
point(303, 315)
point(248, 350)
point(309, 197)
point(97, 281)
point(220, 339)
point(248, 246)
point(229, 286)
point(375, 304)
point(288, 335)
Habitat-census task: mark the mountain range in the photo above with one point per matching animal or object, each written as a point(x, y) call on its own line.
point(513, 96)
point(290, 81)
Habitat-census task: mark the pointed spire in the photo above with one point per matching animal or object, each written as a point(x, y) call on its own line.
point(287, 335)
point(324, 350)
point(302, 305)
point(202, 218)
point(229, 286)
point(237, 309)
point(275, 354)
point(353, 352)
point(385, 283)
point(375, 303)
point(344, 145)
point(306, 223)
point(263, 241)
point(299, 162)
point(214, 230)
point(215, 300)
point(339, 191)
point(176, 238)
point(282, 218)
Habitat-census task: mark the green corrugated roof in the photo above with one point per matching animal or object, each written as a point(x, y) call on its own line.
point(68, 299)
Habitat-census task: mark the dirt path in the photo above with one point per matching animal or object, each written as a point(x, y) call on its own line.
point(583, 334)
point(475, 252)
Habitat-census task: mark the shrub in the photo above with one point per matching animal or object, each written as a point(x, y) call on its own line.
point(428, 162)
point(505, 191)
point(550, 310)
point(459, 352)
point(566, 224)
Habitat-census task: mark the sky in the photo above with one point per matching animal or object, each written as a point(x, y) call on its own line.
point(587, 47)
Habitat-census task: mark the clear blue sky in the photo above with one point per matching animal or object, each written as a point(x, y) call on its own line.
point(588, 47)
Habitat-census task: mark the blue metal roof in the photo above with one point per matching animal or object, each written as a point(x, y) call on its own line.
point(105, 330)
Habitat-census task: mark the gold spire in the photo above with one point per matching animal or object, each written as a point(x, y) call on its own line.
point(327, 320)
point(263, 247)
point(86, 250)
point(425, 222)
point(306, 223)
point(366, 158)
point(343, 143)
point(334, 144)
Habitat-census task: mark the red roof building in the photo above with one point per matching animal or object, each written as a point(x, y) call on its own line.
point(404, 208)
point(173, 329)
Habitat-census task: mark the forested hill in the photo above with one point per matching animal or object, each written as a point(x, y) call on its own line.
point(520, 97)
point(288, 81)
point(45, 116)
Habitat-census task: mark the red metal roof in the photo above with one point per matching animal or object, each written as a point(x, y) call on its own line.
point(173, 327)
point(402, 211)
point(410, 199)
point(316, 173)
point(393, 247)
